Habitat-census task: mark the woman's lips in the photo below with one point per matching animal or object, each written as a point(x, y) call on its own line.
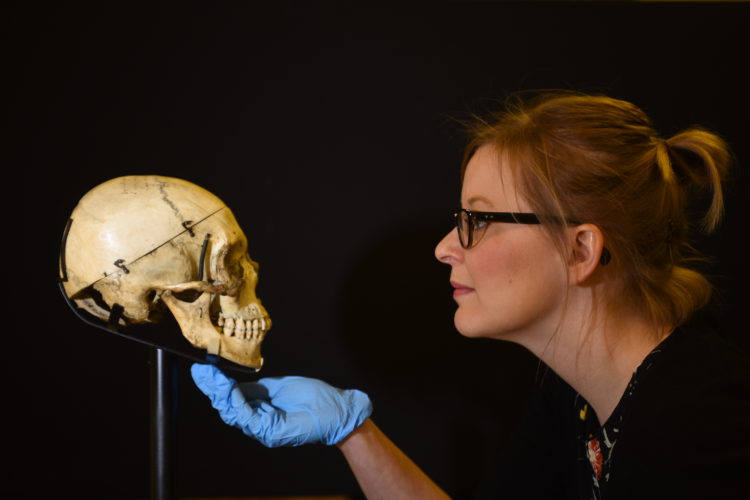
point(459, 289)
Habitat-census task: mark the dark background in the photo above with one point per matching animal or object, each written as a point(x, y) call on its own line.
point(331, 133)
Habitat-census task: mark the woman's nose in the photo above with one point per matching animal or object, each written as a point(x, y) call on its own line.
point(449, 250)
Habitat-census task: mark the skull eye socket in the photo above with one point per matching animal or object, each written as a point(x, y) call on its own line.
point(232, 271)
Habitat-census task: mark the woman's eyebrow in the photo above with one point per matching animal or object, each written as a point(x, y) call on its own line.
point(478, 199)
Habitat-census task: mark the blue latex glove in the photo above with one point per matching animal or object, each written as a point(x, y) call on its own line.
point(285, 411)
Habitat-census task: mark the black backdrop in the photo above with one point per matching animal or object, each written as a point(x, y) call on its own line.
point(330, 133)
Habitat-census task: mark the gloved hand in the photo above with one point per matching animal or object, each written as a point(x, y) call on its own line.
point(285, 411)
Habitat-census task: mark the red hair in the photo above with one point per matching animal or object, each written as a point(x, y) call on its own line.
point(599, 160)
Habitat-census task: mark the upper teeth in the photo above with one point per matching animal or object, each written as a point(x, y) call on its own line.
point(244, 329)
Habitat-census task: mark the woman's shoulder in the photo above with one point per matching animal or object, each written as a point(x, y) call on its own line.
point(698, 356)
point(689, 421)
point(696, 378)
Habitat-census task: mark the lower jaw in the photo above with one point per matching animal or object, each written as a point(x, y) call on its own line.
point(245, 352)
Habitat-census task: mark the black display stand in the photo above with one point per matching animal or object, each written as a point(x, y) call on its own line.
point(163, 387)
point(163, 415)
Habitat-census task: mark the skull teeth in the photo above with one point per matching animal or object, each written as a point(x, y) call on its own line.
point(229, 326)
point(243, 329)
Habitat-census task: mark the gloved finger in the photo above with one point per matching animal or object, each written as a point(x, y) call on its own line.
point(271, 426)
point(275, 385)
point(254, 393)
point(292, 393)
point(212, 381)
point(228, 398)
point(220, 389)
point(297, 428)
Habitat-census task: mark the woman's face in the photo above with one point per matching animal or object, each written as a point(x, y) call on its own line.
point(511, 284)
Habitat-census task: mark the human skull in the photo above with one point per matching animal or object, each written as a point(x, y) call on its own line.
point(143, 241)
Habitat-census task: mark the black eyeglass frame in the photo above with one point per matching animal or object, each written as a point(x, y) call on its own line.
point(508, 217)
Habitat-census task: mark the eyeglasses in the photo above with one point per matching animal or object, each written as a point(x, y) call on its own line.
point(472, 225)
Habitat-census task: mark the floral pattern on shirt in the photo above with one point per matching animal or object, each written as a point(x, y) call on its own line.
point(594, 452)
point(597, 442)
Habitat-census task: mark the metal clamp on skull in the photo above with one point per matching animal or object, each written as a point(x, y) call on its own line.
point(134, 244)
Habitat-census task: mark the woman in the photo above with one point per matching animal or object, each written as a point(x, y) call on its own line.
point(572, 241)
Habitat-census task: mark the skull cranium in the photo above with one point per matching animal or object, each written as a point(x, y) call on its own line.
point(143, 241)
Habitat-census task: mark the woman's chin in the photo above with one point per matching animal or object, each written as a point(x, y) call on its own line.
point(467, 326)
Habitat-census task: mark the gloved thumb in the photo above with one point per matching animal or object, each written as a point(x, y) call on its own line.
point(220, 389)
point(211, 381)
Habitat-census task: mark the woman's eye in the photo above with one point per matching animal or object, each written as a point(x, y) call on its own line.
point(480, 224)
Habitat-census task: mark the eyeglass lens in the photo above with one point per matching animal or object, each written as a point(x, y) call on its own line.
point(466, 229)
point(469, 233)
point(462, 223)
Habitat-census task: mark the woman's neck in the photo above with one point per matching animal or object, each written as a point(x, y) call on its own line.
point(598, 357)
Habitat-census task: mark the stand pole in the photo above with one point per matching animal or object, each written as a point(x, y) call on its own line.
point(162, 400)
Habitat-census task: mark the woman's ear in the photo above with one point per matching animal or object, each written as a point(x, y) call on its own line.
point(587, 252)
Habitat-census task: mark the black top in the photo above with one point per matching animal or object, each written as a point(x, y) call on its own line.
point(681, 430)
